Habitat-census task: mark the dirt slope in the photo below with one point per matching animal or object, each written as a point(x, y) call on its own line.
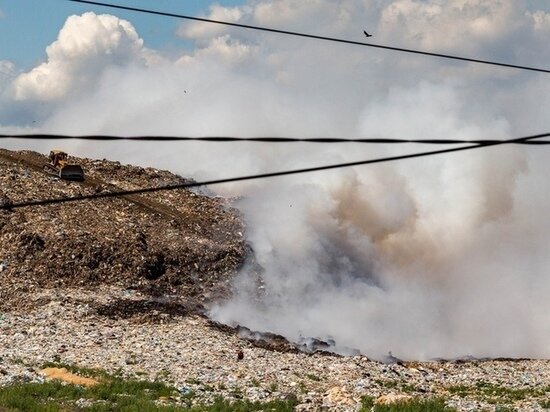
point(176, 242)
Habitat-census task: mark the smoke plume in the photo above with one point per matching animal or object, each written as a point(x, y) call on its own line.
point(435, 257)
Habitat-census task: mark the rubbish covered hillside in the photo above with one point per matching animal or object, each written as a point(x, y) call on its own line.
point(161, 243)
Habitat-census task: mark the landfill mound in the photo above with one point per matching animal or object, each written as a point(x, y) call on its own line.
point(177, 242)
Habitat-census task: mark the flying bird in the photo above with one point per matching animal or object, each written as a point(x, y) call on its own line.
point(366, 34)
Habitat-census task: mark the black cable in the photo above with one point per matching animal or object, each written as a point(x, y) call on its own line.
point(260, 176)
point(266, 139)
point(311, 36)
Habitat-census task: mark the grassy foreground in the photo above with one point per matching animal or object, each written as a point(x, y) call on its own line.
point(114, 393)
point(413, 405)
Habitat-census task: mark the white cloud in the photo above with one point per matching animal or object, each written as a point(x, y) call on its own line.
point(398, 257)
point(287, 11)
point(198, 30)
point(85, 46)
point(7, 74)
point(542, 21)
point(452, 25)
point(222, 48)
point(7, 67)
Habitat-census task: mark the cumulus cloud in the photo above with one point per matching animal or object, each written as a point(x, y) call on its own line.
point(542, 21)
point(7, 76)
point(85, 46)
point(398, 257)
point(222, 48)
point(7, 68)
point(199, 31)
point(468, 24)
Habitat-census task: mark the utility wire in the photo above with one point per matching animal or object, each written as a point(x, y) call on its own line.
point(311, 36)
point(221, 139)
point(262, 175)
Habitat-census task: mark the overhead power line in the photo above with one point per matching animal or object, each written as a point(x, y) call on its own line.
point(312, 36)
point(44, 202)
point(263, 139)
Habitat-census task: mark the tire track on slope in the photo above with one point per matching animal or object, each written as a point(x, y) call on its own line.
point(34, 162)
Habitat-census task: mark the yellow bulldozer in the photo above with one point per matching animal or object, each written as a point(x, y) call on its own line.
point(59, 166)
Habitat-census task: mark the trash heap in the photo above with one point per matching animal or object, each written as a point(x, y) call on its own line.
point(174, 242)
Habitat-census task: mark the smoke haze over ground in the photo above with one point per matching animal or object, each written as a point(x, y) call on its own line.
point(437, 257)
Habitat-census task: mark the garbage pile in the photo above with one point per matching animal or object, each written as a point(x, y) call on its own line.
point(175, 242)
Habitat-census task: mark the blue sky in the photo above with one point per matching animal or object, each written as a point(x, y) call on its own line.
point(28, 26)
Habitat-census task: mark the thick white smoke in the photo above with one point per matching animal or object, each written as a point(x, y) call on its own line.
point(442, 256)
point(400, 258)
